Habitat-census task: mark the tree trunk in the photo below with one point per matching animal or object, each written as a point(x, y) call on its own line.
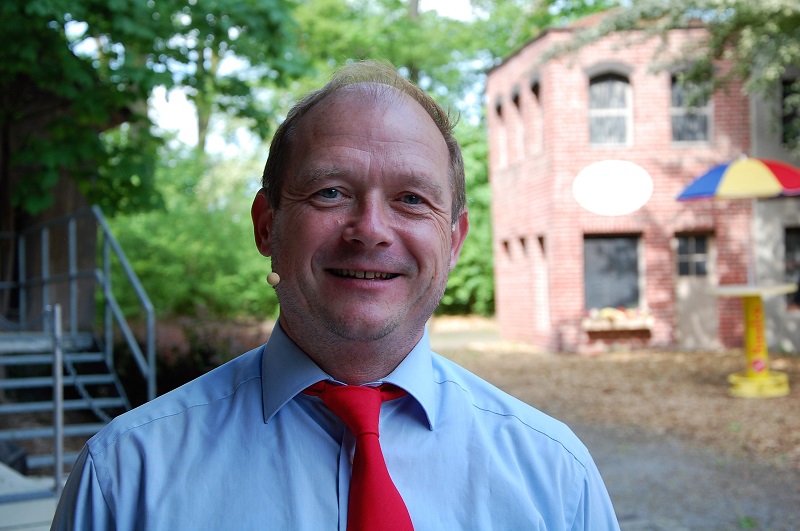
point(204, 98)
point(56, 245)
point(33, 110)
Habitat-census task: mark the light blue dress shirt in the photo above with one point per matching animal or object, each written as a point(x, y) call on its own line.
point(243, 448)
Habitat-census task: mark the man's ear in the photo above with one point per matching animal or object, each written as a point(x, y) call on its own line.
point(459, 233)
point(263, 215)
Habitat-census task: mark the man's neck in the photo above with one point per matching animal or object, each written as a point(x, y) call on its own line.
point(354, 362)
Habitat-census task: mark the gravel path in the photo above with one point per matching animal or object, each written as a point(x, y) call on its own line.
point(675, 451)
point(664, 483)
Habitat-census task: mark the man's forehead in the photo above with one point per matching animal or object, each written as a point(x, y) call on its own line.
point(369, 95)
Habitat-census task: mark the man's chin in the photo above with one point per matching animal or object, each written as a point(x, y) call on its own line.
point(362, 329)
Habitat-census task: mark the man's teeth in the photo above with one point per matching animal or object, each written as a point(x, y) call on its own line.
point(363, 274)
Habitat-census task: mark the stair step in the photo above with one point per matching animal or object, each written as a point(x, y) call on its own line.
point(69, 405)
point(37, 342)
point(48, 460)
point(47, 359)
point(70, 430)
point(47, 381)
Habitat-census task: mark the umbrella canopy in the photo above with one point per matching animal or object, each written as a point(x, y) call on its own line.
point(745, 178)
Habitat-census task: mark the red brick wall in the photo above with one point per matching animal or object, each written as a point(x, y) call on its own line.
point(538, 146)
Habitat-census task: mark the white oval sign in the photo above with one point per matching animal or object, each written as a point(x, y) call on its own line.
point(612, 187)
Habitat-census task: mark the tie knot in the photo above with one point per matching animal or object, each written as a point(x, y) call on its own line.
point(359, 407)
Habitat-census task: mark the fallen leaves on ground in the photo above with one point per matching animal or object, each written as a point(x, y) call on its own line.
point(678, 393)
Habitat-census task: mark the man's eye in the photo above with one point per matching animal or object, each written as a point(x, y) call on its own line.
point(329, 193)
point(412, 199)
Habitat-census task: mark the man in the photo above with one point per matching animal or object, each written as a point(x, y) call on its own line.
point(363, 214)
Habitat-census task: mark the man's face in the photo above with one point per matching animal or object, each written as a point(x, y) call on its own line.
point(363, 238)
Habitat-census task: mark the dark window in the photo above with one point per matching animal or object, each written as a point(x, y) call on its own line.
point(692, 256)
point(790, 99)
point(690, 110)
point(611, 271)
point(792, 264)
point(609, 109)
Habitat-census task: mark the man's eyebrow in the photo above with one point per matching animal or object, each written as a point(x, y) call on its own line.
point(312, 175)
point(428, 186)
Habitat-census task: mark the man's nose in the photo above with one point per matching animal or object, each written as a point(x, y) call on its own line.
point(370, 224)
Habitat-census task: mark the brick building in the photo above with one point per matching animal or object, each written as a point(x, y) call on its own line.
point(557, 265)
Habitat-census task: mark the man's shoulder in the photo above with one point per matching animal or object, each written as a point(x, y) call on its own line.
point(494, 409)
point(200, 396)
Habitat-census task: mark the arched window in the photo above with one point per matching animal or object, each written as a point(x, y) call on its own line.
point(610, 110)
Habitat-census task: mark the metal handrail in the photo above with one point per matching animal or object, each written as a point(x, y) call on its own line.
point(51, 317)
point(58, 400)
point(146, 366)
point(145, 361)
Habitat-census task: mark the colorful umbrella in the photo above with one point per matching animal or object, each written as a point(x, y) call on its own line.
point(751, 178)
point(745, 178)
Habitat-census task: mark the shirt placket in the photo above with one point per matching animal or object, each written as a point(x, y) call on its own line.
point(346, 454)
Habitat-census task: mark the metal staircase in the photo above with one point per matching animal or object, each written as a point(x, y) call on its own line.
point(59, 383)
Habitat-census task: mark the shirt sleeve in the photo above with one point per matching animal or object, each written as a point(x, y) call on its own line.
point(83, 505)
point(595, 510)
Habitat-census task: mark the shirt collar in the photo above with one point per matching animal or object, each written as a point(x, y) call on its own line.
point(286, 371)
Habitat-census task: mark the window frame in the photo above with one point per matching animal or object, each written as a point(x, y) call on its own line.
point(693, 257)
point(682, 109)
point(637, 298)
point(625, 112)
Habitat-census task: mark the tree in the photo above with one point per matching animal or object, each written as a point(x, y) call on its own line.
point(75, 78)
point(76, 69)
point(760, 40)
point(254, 37)
point(427, 48)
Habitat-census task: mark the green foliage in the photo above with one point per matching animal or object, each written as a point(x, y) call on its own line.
point(470, 289)
point(427, 48)
point(76, 75)
point(506, 25)
point(53, 109)
point(196, 256)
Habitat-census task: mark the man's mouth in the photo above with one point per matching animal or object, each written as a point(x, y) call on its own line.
point(369, 275)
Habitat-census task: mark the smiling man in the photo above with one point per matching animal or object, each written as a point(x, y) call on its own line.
point(362, 212)
point(363, 231)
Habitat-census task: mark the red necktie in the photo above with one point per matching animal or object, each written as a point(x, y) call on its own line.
point(375, 503)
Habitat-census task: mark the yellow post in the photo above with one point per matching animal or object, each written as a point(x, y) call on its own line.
point(754, 341)
point(757, 381)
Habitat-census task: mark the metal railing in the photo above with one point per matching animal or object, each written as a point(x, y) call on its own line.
point(102, 274)
point(52, 324)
